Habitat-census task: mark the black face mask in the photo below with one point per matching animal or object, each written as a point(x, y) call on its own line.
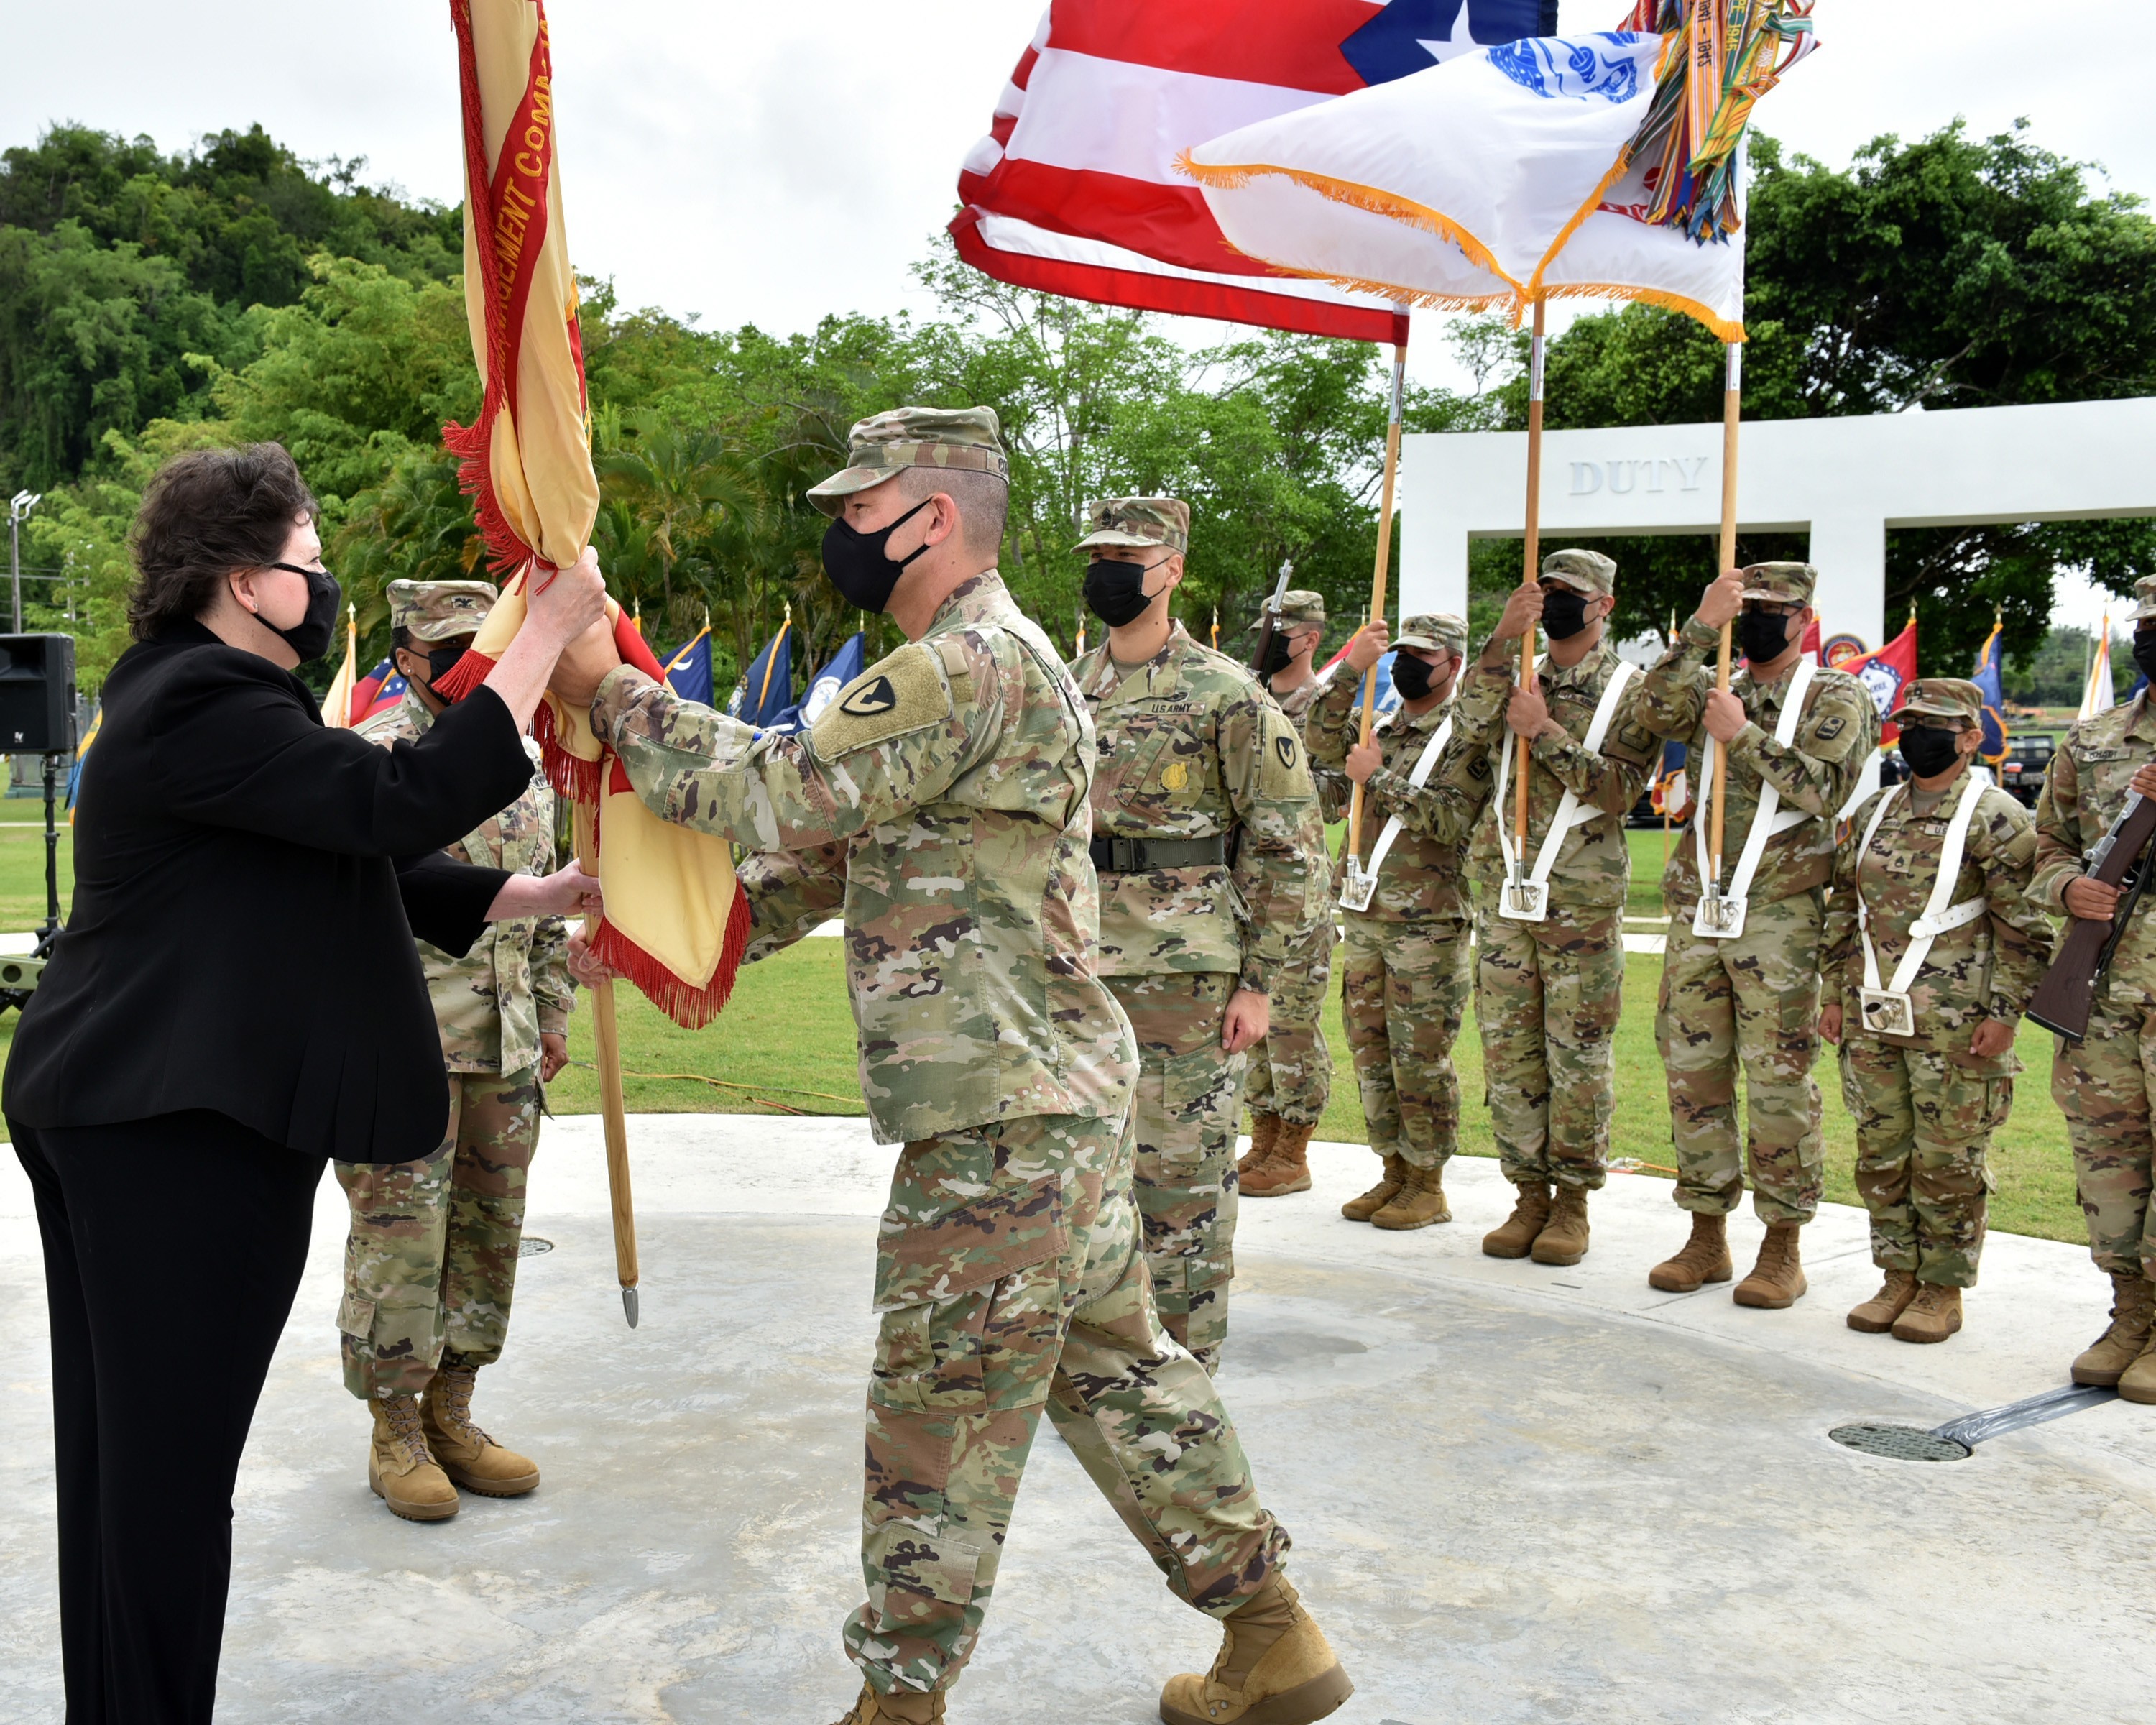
point(1412, 675)
point(1929, 749)
point(1564, 614)
point(1761, 635)
point(1279, 656)
point(2144, 652)
point(310, 636)
point(440, 662)
point(1115, 592)
point(860, 567)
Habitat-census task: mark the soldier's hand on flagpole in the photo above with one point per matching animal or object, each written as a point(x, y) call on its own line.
point(566, 892)
point(1249, 1016)
point(1368, 645)
point(585, 970)
point(1528, 715)
point(1725, 716)
point(1724, 600)
point(1829, 1021)
point(1364, 759)
point(583, 665)
point(563, 604)
point(1523, 612)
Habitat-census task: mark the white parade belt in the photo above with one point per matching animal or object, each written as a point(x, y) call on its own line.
point(1525, 898)
point(1357, 886)
point(1720, 914)
point(1889, 1011)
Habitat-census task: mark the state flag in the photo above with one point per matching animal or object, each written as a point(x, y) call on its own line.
point(1883, 673)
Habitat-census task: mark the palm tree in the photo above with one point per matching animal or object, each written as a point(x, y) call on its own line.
point(681, 482)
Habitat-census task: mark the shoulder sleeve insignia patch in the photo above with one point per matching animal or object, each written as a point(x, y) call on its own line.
point(905, 692)
point(1282, 773)
point(1829, 728)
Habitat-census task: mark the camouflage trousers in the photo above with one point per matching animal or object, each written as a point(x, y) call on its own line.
point(430, 1264)
point(1185, 1114)
point(1751, 1003)
point(1010, 1276)
point(1291, 1068)
point(2104, 1087)
point(1546, 996)
point(1923, 1127)
point(1403, 989)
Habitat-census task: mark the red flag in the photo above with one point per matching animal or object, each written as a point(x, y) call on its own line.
point(1811, 642)
point(1884, 673)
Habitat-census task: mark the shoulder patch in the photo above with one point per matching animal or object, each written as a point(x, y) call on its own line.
point(1829, 728)
point(1281, 772)
point(904, 692)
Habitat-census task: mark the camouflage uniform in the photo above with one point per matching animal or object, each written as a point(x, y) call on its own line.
point(1196, 762)
point(1291, 1069)
point(430, 1263)
point(942, 800)
point(1407, 965)
point(1548, 993)
point(1925, 1107)
point(1752, 1001)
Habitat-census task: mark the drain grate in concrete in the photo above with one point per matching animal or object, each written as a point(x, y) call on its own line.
point(532, 1245)
point(1900, 1443)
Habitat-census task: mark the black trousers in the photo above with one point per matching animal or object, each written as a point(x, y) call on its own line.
point(146, 1432)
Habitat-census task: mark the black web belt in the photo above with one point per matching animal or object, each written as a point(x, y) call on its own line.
point(1133, 856)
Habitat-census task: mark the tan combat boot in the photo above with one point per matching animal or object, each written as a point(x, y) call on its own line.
point(1288, 1170)
point(1877, 1315)
point(1933, 1315)
point(1264, 1128)
point(399, 1467)
point(1703, 1259)
point(1419, 1202)
point(1360, 1210)
point(907, 1707)
point(1777, 1281)
point(1275, 1667)
point(1564, 1237)
point(1517, 1238)
point(2138, 1382)
point(467, 1454)
point(2132, 1304)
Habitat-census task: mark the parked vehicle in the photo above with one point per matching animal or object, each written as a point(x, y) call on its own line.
point(2021, 773)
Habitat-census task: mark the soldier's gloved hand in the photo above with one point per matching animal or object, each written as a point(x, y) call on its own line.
point(1724, 600)
point(1249, 1016)
point(1829, 1021)
point(1993, 1038)
point(1368, 645)
point(1725, 716)
point(553, 1054)
point(2091, 899)
point(566, 892)
point(1363, 760)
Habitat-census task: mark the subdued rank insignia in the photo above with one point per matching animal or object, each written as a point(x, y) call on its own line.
point(870, 699)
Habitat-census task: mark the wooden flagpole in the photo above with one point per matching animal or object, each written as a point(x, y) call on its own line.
point(1533, 537)
point(1731, 392)
point(1377, 578)
point(614, 1112)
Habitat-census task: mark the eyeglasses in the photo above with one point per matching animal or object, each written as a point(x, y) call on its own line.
point(300, 569)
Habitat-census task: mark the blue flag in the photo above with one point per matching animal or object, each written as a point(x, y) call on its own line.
point(767, 690)
point(848, 662)
point(1989, 676)
point(1410, 36)
point(689, 671)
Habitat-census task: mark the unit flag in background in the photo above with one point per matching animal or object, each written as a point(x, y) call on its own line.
point(675, 924)
point(1991, 676)
point(2097, 694)
point(1883, 674)
point(1076, 190)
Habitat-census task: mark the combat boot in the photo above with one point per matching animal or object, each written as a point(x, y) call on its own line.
point(400, 1469)
point(1288, 1170)
point(906, 1706)
point(1419, 1203)
point(2132, 1304)
point(1933, 1315)
point(467, 1454)
point(1878, 1315)
point(1517, 1238)
point(1275, 1667)
point(1264, 1129)
point(1564, 1237)
point(1360, 1210)
point(1777, 1281)
point(2138, 1382)
point(1703, 1259)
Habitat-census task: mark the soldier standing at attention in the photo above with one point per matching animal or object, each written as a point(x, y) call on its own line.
point(430, 1264)
point(1744, 991)
point(1933, 945)
point(1211, 864)
point(1405, 972)
point(1290, 1078)
point(2104, 1084)
point(942, 799)
point(1548, 987)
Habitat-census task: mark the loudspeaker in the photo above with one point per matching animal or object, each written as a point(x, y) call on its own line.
point(37, 695)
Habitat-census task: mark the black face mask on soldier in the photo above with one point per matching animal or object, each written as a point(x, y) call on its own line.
point(2144, 652)
point(310, 636)
point(1763, 635)
point(858, 565)
point(440, 662)
point(1412, 676)
point(1114, 592)
point(1279, 656)
point(1565, 612)
point(1929, 749)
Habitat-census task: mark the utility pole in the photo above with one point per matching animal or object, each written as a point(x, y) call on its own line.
point(18, 511)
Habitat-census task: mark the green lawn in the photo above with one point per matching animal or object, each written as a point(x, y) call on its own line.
point(22, 862)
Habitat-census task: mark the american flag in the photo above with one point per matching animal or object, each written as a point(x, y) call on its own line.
point(1075, 189)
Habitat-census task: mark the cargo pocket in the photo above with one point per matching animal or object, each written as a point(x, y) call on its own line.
point(356, 1318)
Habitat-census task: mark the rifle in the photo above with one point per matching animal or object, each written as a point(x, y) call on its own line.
point(1271, 615)
point(2062, 1000)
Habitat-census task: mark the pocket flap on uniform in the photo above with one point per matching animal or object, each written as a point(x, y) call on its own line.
point(979, 1242)
point(356, 1317)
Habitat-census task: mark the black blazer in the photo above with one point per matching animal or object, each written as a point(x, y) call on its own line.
point(247, 885)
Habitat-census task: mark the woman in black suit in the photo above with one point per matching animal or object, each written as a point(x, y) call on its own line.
point(236, 998)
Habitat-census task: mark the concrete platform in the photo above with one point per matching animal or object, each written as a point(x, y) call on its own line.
point(1517, 1493)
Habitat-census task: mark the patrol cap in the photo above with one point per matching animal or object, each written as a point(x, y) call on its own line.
point(1434, 632)
point(1587, 572)
point(1938, 698)
point(439, 610)
point(1137, 520)
point(965, 439)
point(1780, 584)
point(1298, 604)
point(2144, 599)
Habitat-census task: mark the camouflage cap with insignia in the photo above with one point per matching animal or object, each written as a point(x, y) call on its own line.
point(1434, 632)
point(1298, 604)
point(967, 439)
point(1938, 698)
point(1780, 584)
point(1587, 572)
point(439, 610)
point(2144, 599)
point(1136, 521)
